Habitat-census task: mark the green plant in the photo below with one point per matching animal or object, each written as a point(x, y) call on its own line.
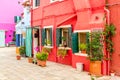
point(94, 47)
point(64, 38)
point(22, 50)
point(82, 46)
point(109, 32)
point(42, 56)
point(47, 42)
point(45, 49)
point(61, 53)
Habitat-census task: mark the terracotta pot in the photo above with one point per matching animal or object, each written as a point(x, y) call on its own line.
point(95, 68)
point(30, 60)
point(18, 57)
point(41, 63)
point(83, 52)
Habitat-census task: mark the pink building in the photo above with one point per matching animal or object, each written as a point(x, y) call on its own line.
point(8, 9)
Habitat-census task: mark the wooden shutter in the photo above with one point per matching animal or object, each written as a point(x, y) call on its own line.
point(88, 42)
point(70, 37)
point(51, 36)
point(58, 36)
point(43, 36)
point(75, 48)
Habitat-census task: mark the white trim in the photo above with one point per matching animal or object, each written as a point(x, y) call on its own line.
point(64, 26)
point(81, 54)
point(51, 26)
point(48, 46)
point(82, 31)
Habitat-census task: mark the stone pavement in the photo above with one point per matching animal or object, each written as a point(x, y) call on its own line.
point(12, 69)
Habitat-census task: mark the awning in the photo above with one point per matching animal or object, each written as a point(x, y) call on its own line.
point(68, 18)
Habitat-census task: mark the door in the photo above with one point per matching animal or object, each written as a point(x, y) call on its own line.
point(2, 38)
point(28, 42)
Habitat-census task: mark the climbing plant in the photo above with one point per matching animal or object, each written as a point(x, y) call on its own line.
point(109, 32)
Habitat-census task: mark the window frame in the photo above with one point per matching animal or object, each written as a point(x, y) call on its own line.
point(81, 31)
point(48, 27)
point(64, 27)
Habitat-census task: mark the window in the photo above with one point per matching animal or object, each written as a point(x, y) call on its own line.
point(63, 36)
point(80, 41)
point(47, 37)
point(36, 3)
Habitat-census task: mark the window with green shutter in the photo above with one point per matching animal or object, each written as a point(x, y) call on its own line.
point(63, 37)
point(47, 37)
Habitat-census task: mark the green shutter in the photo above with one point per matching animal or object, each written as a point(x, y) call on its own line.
point(75, 48)
point(88, 42)
point(51, 36)
point(70, 37)
point(43, 36)
point(58, 36)
point(15, 19)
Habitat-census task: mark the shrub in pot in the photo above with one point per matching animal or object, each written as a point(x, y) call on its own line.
point(95, 52)
point(22, 51)
point(41, 58)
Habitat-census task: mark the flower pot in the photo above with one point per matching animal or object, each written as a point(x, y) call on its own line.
point(18, 57)
point(112, 74)
point(84, 52)
point(95, 68)
point(41, 63)
point(30, 60)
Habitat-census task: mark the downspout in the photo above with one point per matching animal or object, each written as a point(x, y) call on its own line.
point(108, 23)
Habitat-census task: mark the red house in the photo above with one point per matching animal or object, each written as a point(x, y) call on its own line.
point(54, 21)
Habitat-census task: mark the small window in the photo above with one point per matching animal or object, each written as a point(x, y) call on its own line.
point(36, 3)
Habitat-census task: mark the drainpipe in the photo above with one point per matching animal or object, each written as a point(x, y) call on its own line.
point(108, 56)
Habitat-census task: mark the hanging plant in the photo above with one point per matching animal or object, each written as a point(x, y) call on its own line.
point(109, 32)
point(45, 49)
point(61, 53)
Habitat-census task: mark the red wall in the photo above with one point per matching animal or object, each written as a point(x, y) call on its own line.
point(114, 18)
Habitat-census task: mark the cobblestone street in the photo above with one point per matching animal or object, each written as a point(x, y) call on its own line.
point(12, 69)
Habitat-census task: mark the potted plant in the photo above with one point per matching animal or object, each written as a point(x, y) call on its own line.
point(30, 59)
point(82, 47)
point(18, 57)
point(112, 73)
point(95, 52)
point(41, 58)
point(22, 51)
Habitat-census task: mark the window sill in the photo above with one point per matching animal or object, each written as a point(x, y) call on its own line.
point(35, 7)
point(66, 48)
point(48, 46)
point(81, 54)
